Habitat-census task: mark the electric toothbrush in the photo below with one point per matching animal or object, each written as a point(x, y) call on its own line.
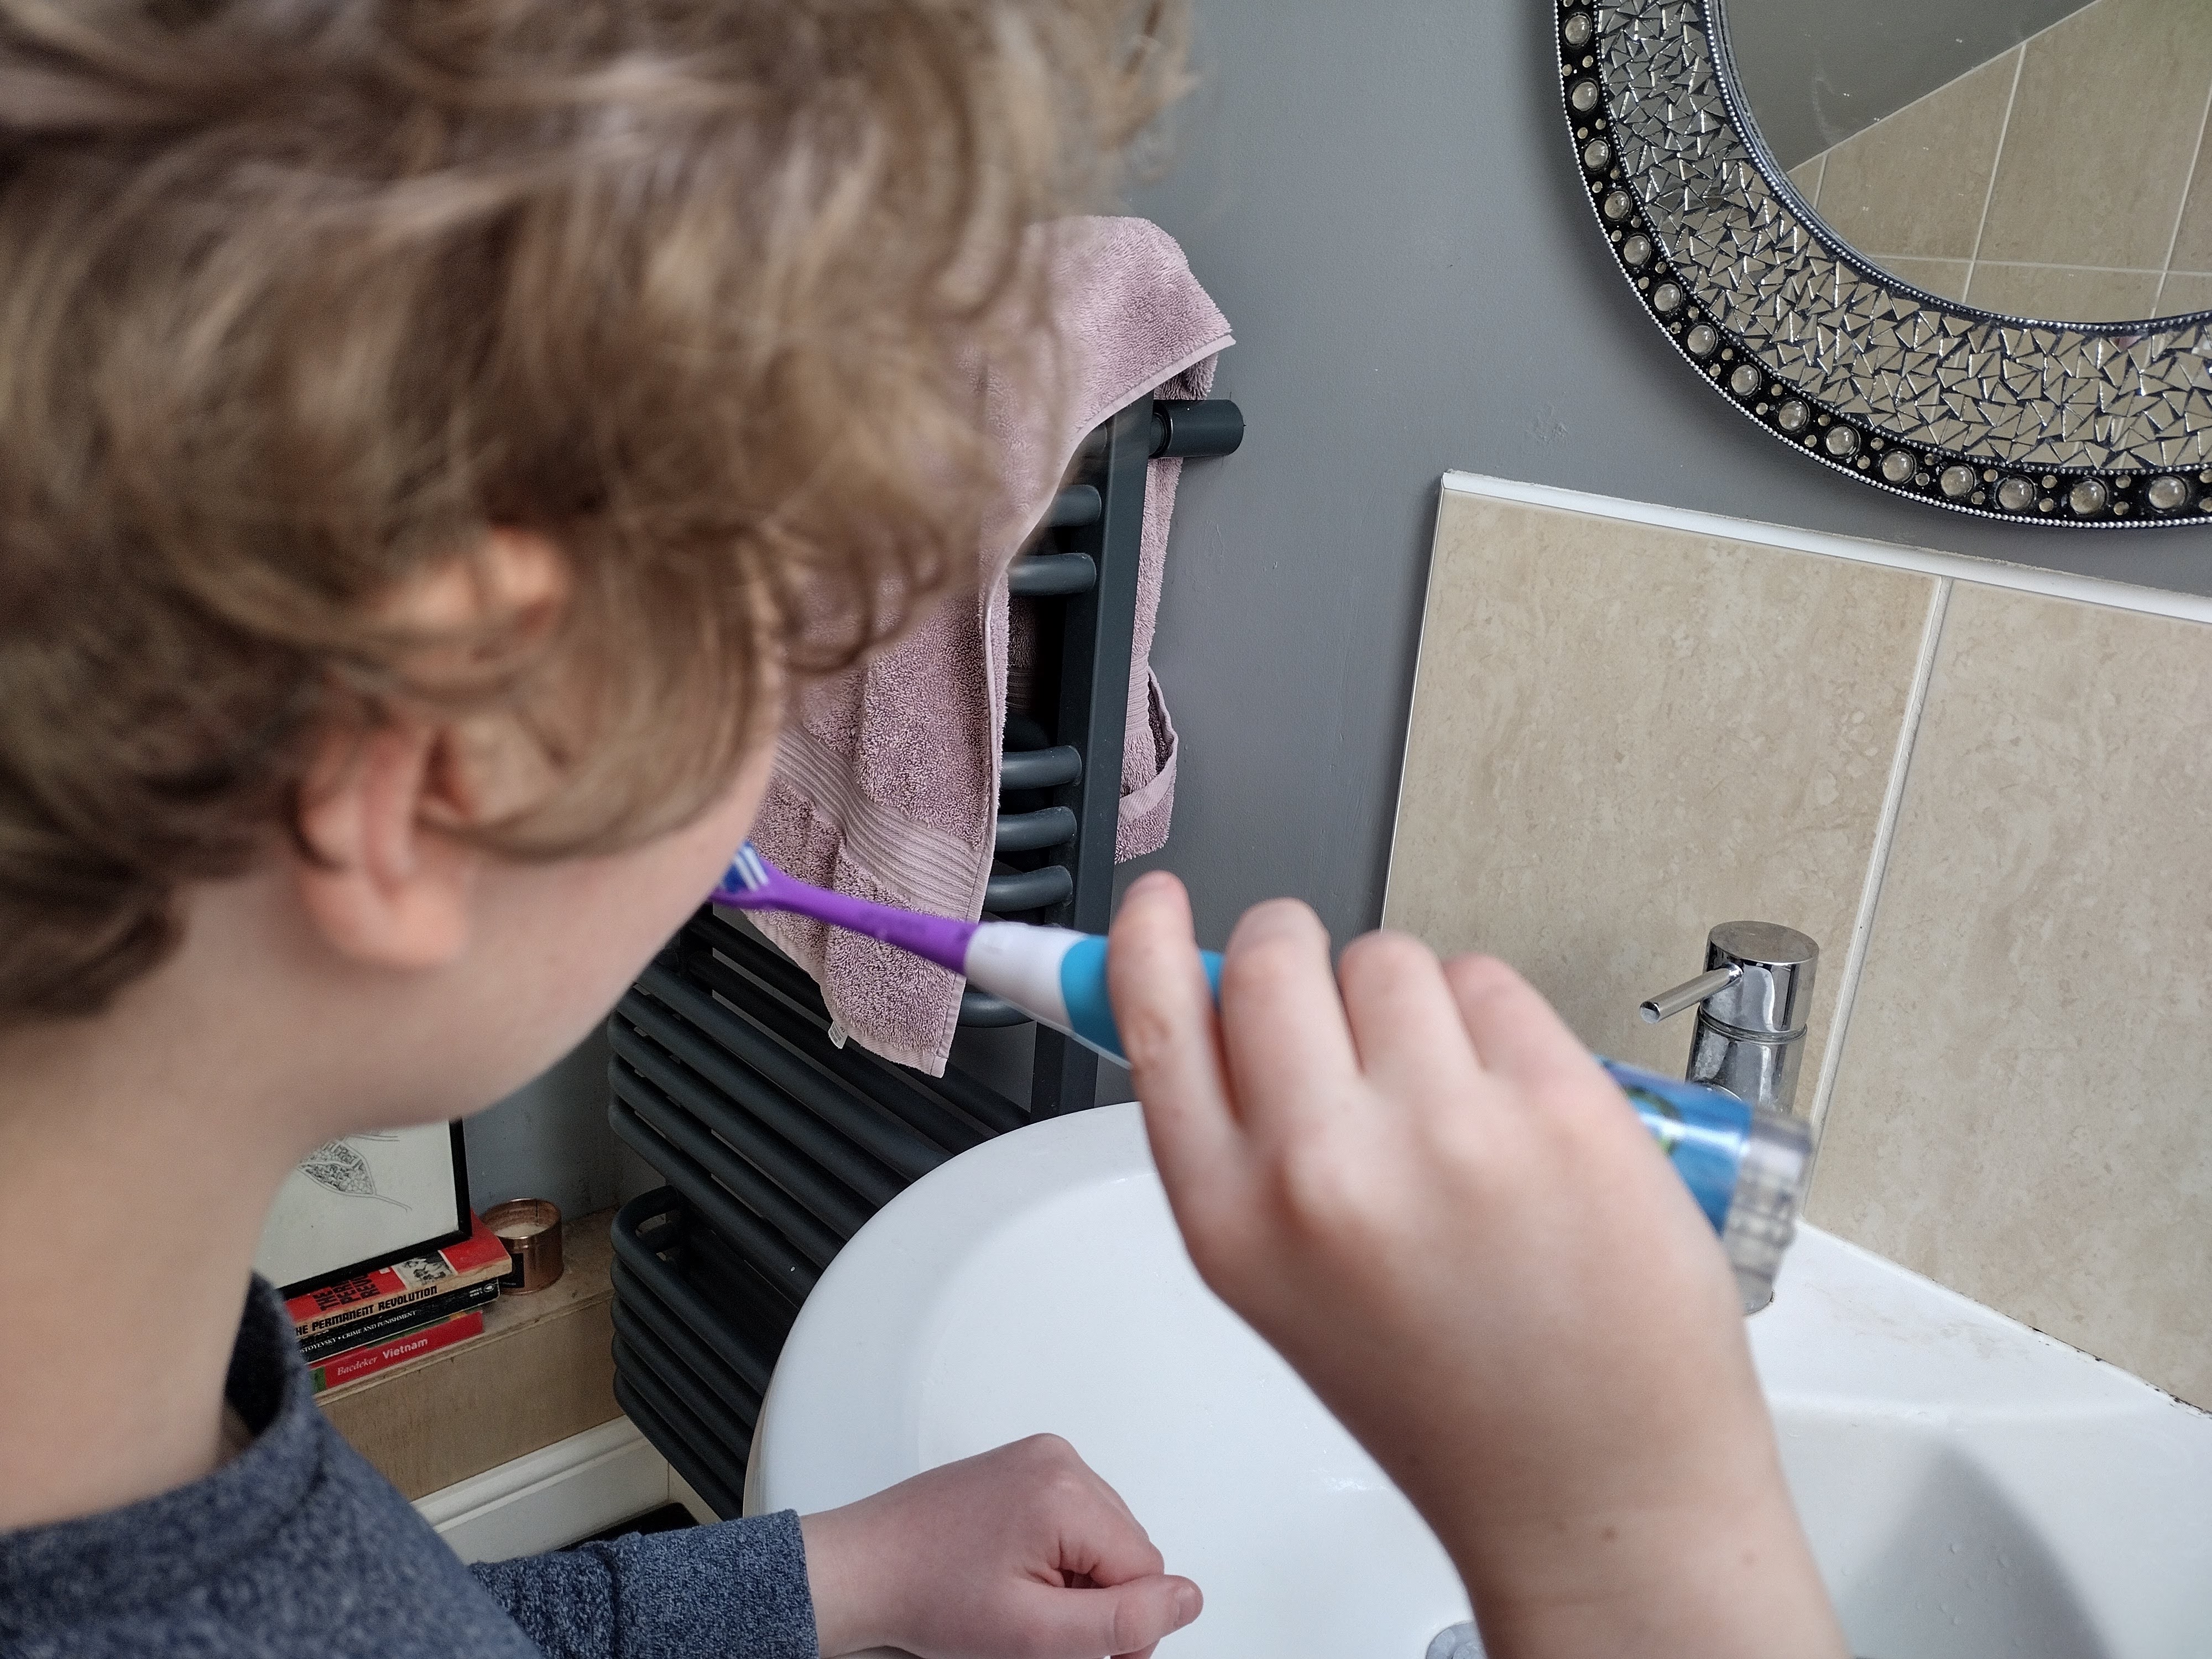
point(1745, 1165)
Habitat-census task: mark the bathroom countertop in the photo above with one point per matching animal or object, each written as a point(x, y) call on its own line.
point(543, 1370)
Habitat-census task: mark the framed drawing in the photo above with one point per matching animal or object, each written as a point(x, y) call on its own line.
point(363, 1200)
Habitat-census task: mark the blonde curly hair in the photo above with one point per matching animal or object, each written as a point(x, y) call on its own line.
point(299, 301)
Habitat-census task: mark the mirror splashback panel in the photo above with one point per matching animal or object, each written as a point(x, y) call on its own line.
point(2102, 425)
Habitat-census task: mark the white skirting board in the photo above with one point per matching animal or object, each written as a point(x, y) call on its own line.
point(555, 1495)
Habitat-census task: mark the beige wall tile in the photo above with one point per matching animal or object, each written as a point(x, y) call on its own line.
point(2024, 1105)
point(2103, 130)
point(1945, 276)
point(1623, 735)
point(2064, 294)
point(1913, 183)
point(2185, 290)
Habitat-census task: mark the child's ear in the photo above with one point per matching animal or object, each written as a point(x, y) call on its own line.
point(387, 869)
point(380, 880)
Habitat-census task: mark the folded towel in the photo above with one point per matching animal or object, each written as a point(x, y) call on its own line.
point(886, 784)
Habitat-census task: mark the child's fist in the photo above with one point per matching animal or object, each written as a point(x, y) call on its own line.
point(1020, 1553)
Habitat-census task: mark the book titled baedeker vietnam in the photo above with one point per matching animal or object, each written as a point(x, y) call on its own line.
point(357, 1363)
point(478, 1258)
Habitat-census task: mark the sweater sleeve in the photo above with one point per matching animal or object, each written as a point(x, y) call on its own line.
point(735, 1589)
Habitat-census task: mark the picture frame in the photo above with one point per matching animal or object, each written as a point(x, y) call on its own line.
point(362, 1202)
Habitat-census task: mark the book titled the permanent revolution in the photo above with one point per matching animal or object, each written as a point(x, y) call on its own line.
point(478, 1257)
point(398, 1321)
point(357, 1362)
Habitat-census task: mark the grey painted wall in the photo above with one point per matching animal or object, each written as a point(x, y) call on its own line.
point(1817, 72)
point(1383, 199)
point(549, 1138)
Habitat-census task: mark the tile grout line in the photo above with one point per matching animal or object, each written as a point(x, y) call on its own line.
point(1997, 161)
point(1885, 834)
point(2181, 207)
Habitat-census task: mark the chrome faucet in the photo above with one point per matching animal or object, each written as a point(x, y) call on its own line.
point(1752, 1002)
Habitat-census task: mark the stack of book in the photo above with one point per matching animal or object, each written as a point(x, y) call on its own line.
point(360, 1326)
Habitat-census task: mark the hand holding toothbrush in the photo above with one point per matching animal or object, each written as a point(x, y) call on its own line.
point(1414, 1182)
point(1060, 977)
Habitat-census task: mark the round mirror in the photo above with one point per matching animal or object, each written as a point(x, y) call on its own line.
point(1958, 250)
point(2037, 158)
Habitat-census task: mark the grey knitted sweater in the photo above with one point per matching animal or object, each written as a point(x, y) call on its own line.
point(296, 1547)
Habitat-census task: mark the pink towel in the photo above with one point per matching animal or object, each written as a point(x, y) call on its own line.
point(886, 783)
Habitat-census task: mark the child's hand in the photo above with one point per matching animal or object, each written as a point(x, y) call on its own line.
point(1020, 1553)
point(1416, 1184)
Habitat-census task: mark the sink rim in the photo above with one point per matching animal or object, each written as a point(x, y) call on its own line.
point(1851, 1340)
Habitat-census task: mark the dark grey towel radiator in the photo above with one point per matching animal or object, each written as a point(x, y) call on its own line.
point(778, 1145)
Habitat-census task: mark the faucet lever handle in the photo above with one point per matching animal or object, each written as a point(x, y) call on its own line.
point(1689, 994)
point(1753, 1002)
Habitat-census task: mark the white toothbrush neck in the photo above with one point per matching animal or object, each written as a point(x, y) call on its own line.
point(1020, 963)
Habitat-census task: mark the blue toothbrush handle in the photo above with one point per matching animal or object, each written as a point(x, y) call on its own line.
point(1705, 1132)
point(1090, 1010)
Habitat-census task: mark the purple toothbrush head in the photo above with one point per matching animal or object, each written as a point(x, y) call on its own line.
point(753, 884)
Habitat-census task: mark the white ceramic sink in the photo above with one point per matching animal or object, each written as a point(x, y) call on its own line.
point(1971, 1488)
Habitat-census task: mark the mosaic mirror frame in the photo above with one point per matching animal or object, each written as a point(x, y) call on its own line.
point(2100, 425)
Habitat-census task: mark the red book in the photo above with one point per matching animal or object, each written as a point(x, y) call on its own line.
point(357, 1363)
point(479, 1256)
